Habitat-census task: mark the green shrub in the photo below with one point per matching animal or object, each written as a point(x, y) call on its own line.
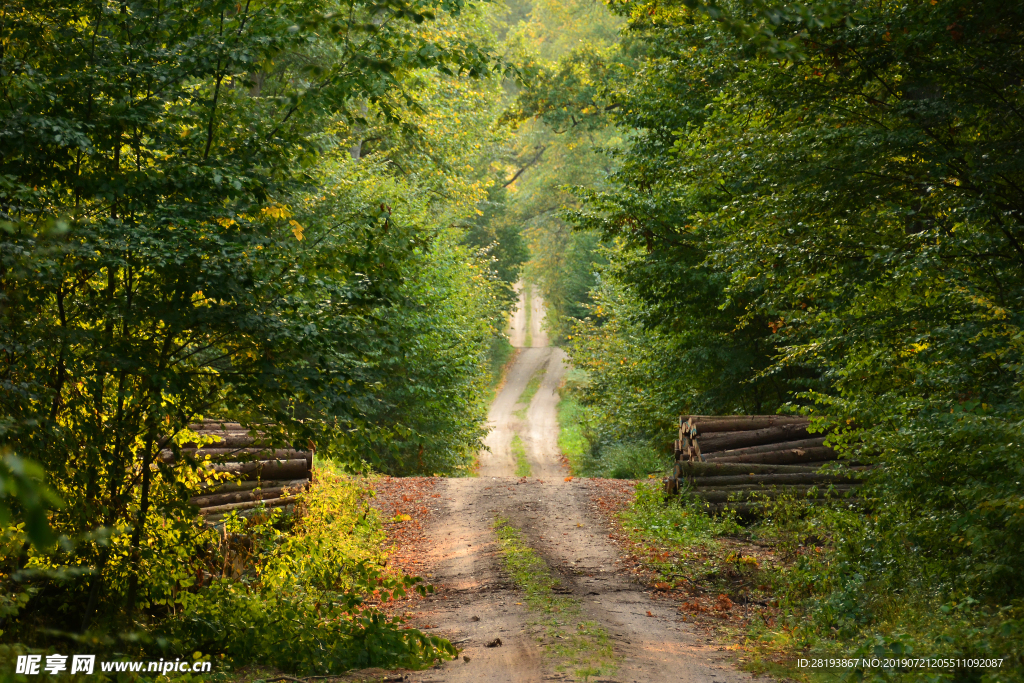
point(300, 603)
point(307, 631)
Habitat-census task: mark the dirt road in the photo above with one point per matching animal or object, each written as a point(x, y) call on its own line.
point(635, 638)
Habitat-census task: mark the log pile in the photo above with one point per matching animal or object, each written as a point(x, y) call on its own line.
point(741, 459)
point(259, 474)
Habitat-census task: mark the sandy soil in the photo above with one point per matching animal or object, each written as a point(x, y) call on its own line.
point(517, 325)
point(558, 517)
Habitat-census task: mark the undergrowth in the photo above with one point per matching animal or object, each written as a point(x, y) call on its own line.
point(498, 356)
point(589, 455)
point(795, 583)
point(300, 593)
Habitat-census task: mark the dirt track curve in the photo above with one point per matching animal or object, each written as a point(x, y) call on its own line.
point(650, 642)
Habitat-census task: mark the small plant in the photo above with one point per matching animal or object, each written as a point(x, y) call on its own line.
point(581, 645)
point(523, 468)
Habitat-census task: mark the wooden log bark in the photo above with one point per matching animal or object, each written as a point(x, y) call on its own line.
point(229, 486)
point(219, 425)
point(217, 509)
point(735, 423)
point(713, 469)
point(240, 454)
point(774, 479)
point(218, 518)
point(815, 442)
point(743, 494)
point(783, 488)
point(757, 507)
point(755, 437)
point(233, 440)
point(783, 456)
point(262, 493)
point(677, 471)
point(297, 468)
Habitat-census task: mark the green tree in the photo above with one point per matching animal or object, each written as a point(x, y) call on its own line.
point(839, 207)
point(159, 260)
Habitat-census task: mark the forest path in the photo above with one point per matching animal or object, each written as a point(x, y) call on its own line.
point(556, 516)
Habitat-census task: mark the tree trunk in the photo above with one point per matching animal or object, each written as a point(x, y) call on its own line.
point(734, 423)
point(235, 454)
point(232, 439)
point(774, 479)
point(816, 442)
point(218, 509)
point(783, 456)
point(755, 437)
point(234, 486)
point(266, 469)
point(743, 494)
point(267, 493)
point(711, 469)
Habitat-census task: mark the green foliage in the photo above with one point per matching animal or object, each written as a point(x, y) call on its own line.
point(819, 208)
point(607, 460)
point(654, 518)
point(250, 211)
point(499, 354)
point(21, 488)
point(528, 313)
point(291, 594)
point(560, 121)
point(572, 432)
point(307, 588)
point(591, 450)
point(335, 635)
point(849, 245)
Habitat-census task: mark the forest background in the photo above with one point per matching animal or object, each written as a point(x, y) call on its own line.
point(312, 214)
point(814, 208)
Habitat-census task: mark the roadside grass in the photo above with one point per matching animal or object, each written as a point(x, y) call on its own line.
point(500, 359)
point(691, 552)
point(589, 457)
point(522, 464)
point(499, 354)
point(579, 644)
point(781, 587)
point(630, 460)
point(572, 441)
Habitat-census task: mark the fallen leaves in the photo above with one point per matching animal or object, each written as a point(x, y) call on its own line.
point(399, 499)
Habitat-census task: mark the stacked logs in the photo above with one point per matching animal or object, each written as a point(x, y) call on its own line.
point(741, 459)
point(259, 474)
